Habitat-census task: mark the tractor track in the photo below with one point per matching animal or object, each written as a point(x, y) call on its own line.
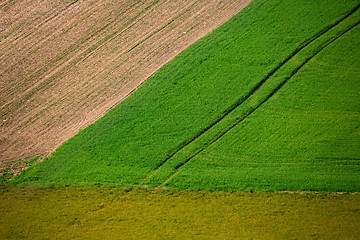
point(252, 92)
point(253, 110)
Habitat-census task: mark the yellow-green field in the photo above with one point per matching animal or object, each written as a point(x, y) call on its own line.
point(112, 213)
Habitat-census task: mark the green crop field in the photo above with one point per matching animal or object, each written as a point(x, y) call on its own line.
point(268, 101)
point(299, 130)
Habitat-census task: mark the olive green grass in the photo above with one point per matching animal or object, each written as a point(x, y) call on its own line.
point(113, 213)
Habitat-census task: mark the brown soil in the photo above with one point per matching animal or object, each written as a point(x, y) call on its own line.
point(65, 63)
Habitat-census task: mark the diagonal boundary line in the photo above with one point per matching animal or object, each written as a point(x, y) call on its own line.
point(243, 99)
point(267, 98)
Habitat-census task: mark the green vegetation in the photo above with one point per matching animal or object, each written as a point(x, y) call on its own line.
point(303, 131)
point(111, 213)
point(261, 103)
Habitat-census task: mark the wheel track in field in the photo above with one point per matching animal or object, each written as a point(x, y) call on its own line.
point(267, 98)
point(251, 93)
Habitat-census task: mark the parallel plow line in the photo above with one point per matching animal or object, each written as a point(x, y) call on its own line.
point(69, 57)
point(52, 95)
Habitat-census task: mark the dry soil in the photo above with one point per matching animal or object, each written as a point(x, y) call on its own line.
point(65, 63)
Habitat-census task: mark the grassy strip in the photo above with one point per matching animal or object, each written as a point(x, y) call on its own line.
point(111, 213)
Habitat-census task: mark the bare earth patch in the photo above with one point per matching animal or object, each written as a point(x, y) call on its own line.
point(64, 64)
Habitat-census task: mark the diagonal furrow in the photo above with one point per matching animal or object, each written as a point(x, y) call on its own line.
point(67, 59)
point(231, 110)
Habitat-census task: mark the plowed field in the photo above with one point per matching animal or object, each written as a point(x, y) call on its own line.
point(64, 64)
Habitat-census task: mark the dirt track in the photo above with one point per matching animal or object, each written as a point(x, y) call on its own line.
point(64, 64)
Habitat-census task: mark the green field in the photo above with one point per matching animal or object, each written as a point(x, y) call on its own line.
point(112, 213)
point(268, 101)
point(299, 131)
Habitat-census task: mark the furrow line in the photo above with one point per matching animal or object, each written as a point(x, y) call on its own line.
point(70, 61)
point(52, 16)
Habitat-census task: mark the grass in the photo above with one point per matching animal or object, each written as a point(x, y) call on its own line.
point(113, 213)
point(134, 144)
point(299, 131)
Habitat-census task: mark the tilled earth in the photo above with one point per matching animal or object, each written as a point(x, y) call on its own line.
point(64, 64)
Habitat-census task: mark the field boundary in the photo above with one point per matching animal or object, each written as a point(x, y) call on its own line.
point(71, 69)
